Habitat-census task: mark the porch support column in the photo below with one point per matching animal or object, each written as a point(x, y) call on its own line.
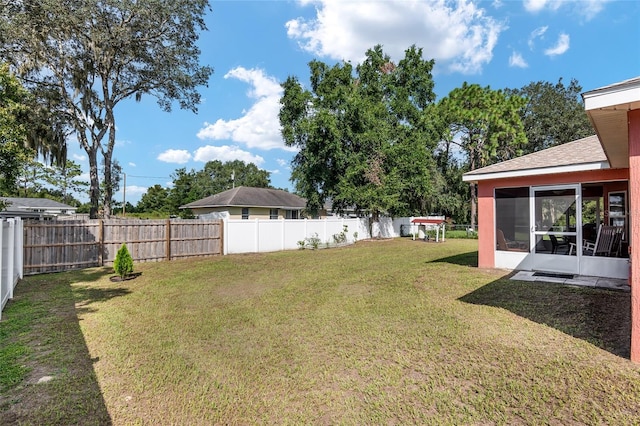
point(634, 215)
point(486, 226)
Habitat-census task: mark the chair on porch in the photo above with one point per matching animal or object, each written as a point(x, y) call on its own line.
point(508, 245)
point(556, 244)
point(607, 242)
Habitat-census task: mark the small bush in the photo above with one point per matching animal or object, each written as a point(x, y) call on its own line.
point(313, 241)
point(462, 234)
point(341, 237)
point(123, 263)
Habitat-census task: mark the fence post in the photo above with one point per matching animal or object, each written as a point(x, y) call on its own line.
point(2, 277)
point(167, 243)
point(257, 239)
point(100, 243)
point(324, 229)
point(12, 249)
point(20, 244)
point(224, 244)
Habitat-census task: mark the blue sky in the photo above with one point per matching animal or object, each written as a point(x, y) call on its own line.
point(255, 45)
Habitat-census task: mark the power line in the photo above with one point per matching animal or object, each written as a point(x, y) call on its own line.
point(150, 177)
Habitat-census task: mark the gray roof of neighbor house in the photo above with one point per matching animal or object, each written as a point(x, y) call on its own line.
point(582, 154)
point(16, 203)
point(244, 196)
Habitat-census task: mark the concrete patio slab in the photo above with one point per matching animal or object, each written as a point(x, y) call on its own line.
point(577, 280)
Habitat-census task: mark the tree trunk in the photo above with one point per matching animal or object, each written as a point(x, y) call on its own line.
point(474, 205)
point(107, 155)
point(375, 218)
point(472, 189)
point(94, 188)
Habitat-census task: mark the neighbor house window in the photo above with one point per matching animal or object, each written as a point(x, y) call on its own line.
point(512, 219)
point(245, 212)
point(273, 213)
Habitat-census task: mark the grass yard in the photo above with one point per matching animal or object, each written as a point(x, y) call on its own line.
point(382, 332)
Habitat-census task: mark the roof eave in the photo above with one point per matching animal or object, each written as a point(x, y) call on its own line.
point(607, 110)
point(599, 165)
point(240, 205)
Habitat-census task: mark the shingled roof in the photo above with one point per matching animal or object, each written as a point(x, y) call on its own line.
point(579, 155)
point(35, 203)
point(244, 196)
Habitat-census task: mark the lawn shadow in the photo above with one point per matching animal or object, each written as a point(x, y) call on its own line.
point(462, 259)
point(57, 351)
point(601, 317)
point(85, 297)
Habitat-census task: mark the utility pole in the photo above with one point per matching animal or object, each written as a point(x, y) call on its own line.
point(124, 195)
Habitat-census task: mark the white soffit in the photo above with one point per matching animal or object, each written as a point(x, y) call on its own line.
point(607, 109)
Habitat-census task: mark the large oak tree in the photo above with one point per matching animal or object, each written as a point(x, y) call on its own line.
point(553, 115)
point(87, 56)
point(364, 135)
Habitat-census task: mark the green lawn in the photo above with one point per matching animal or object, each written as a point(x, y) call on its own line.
point(382, 332)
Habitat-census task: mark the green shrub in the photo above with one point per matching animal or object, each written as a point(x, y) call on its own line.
point(461, 234)
point(341, 237)
point(123, 263)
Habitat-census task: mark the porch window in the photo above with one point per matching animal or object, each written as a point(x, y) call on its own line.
point(605, 204)
point(245, 213)
point(512, 219)
point(273, 214)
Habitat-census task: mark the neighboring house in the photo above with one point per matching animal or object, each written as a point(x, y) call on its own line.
point(250, 203)
point(541, 211)
point(328, 211)
point(35, 208)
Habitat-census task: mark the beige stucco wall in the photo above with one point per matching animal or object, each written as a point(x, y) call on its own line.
point(236, 212)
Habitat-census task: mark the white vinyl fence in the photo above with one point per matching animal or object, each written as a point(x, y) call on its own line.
point(11, 267)
point(265, 235)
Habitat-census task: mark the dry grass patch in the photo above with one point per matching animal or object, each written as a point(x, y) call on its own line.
point(395, 332)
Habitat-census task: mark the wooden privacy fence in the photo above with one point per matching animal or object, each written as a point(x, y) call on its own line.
point(53, 246)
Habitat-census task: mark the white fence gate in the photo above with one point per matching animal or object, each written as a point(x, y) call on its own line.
point(11, 252)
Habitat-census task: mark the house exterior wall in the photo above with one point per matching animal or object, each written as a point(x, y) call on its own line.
point(236, 212)
point(486, 205)
point(634, 219)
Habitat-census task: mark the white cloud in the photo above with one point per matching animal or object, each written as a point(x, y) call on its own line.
point(535, 6)
point(458, 35)
point(590, 8)
point(133, 190)
point(535, 34)
point(562, 45)
point(179, 156)
point(225, 153)
point(516, 60)
point(587, 9)
point(79, 157)
point(131, 164)
point(259, 127)
point(282, 162)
